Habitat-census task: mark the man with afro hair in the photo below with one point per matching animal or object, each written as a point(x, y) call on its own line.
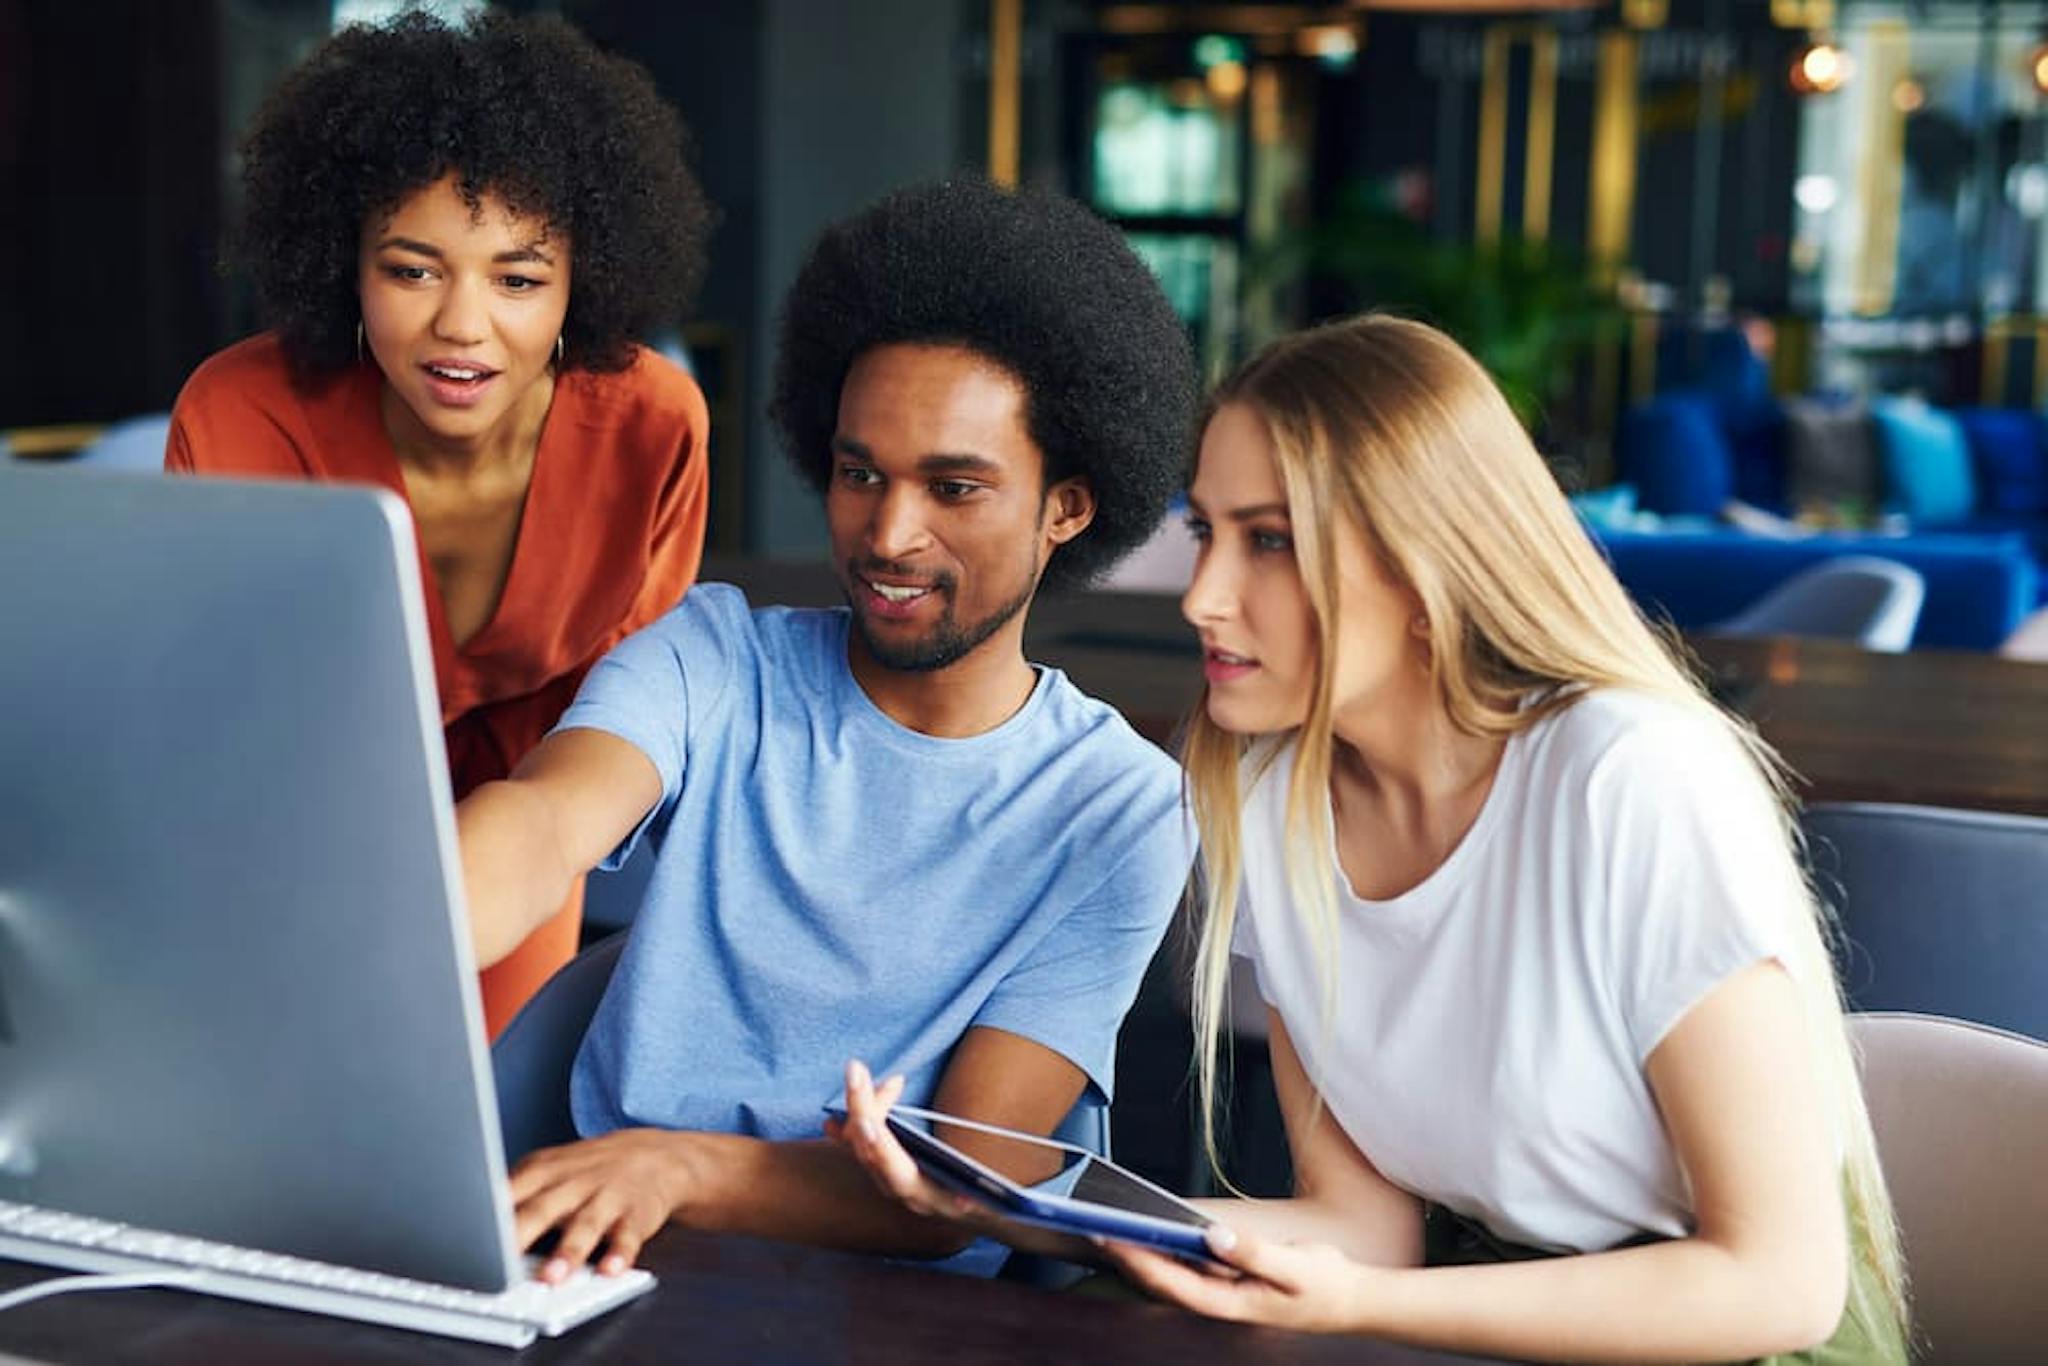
point(878, 831)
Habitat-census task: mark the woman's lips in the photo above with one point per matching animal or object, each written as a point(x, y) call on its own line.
point(1221, 666)
point(457, 386)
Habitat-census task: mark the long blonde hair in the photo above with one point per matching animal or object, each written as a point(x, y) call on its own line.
point(1389, 426)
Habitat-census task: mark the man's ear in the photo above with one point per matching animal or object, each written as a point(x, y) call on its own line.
point(1069, 508)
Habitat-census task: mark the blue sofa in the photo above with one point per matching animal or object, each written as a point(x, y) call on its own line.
point(1979, 587)
point(1969, 486)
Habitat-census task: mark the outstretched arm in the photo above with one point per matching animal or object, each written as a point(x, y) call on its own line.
point(527, 838)
point(1764, 1272)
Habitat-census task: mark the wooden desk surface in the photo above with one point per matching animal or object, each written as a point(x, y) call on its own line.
point(720, 1300)
point(1932, 727)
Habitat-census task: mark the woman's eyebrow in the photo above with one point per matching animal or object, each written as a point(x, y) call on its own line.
point(1243, 514)
point(411, 244)
point(531, 252)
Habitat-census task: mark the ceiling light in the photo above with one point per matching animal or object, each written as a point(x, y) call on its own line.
point(1821, 68)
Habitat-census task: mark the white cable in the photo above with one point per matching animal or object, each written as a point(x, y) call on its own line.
point(114, 1280)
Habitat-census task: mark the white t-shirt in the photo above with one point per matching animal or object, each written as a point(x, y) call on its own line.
point(1486, 1044)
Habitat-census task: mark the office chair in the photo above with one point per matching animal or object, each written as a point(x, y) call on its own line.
point(532, 1059)
point(611, 900)
point(1941, 910)
point(1960, 1112)
point(2029, 639)
point(135, 444)
point(1869, 601)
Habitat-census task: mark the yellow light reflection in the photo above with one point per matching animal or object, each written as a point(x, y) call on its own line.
point(1821, 69)
point(1226, 80)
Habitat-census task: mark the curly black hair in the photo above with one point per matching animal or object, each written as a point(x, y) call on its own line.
point(1035, 283)
point(524, 108)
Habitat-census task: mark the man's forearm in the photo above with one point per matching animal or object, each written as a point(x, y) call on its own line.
point(512, 866)
point(808, 1191)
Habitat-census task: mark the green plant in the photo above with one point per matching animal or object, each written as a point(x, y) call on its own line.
point(1528, 310)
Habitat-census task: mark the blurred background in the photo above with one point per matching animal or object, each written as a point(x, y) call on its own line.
point(1587, 194)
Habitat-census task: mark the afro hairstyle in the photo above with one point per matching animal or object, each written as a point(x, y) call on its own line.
point(1037, 284)
point(524, 108)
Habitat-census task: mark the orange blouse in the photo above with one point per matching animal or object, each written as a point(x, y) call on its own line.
point(609, 539)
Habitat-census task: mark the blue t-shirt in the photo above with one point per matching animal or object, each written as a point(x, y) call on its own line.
point(828, 884)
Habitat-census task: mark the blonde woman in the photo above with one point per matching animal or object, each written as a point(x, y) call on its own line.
point(1554, 1031)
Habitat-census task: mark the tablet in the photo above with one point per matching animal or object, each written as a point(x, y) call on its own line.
point(1049, 1184)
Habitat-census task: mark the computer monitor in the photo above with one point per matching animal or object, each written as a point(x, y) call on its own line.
point(237, 994)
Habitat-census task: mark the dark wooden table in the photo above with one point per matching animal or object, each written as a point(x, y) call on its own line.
point(720, 1300)
point(1938, 728)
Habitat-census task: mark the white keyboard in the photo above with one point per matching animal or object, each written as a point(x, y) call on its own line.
point(512, 1318)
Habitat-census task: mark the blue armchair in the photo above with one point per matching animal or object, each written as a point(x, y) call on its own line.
point(1979, 588)
point(1941, 910)
point(1967, 482)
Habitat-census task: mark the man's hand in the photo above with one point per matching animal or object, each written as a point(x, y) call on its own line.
point(616, 1191)
point(897, 1175)
point(893, 1171)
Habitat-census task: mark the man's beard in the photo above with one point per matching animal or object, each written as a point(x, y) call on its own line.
point(947, 642)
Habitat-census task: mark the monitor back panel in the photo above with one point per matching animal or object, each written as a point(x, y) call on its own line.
point(236, 996)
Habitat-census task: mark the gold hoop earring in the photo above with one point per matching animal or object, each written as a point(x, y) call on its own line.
point(561, 350)
point(359, 341)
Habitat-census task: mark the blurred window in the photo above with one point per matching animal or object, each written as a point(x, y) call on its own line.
point(1166, 148)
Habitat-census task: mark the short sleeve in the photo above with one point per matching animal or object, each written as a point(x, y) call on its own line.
point(1699, 882)
point(658, 684)
point(1070, 993)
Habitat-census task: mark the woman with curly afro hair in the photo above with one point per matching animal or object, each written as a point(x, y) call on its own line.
point(457, 233)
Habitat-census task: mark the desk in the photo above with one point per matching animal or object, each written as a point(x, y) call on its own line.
point(720, 1299)
point(1933, 727)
